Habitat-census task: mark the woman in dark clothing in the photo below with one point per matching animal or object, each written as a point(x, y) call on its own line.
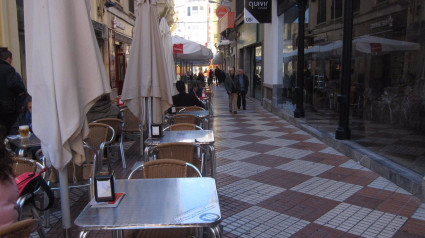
point(184, 99)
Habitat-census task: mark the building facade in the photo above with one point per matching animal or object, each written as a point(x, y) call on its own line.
point(112, 20)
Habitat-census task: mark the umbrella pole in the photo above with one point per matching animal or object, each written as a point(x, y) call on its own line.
point(64, 193)
point(149, 116)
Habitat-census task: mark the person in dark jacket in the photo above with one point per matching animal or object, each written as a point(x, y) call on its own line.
point(184, 99)
point(11, 89)
point(244, 83)
point(24, 118)
point(233, 88)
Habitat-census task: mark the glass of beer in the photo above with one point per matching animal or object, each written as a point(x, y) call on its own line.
point(24, 131)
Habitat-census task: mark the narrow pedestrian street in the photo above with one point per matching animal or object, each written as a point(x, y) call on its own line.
point(275, 180)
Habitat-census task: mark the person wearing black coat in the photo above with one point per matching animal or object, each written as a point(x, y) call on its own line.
point(11, 89)
point(244, 83)
point(184, 99)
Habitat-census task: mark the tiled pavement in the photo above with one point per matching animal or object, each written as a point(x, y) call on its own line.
point(275, 180)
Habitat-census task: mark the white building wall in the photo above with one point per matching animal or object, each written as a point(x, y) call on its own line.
point(273, 54)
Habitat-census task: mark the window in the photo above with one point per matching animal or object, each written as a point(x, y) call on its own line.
point(131, 6)
point(201, 8)
point(321, 11)
point(336, 10)
point(188, 11)
point(194, 10)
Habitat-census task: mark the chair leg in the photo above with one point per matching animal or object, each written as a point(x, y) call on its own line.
point(122, 153)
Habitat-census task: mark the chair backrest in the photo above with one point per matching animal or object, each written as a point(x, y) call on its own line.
point(193, 109)
point(182, 127)
point(178, 109)
point(185, 118)
point(167, 168)
point(20, 229)
point(99, 133)
point(131, 122)
point(115, 123)
point(22, 165)
point(180, 151)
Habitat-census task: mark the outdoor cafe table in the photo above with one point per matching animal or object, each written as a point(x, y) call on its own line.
point(157, 203)
point(23, 143)
point(200, 137)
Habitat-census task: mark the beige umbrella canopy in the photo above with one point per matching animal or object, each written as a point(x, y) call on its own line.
point(147, 75)
point(65, 77)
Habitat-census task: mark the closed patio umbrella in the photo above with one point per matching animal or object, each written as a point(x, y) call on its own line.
point(147, 75)
point(66, 76)
point(168, 51)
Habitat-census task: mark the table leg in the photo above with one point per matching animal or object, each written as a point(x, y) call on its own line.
point(117, 234)
point(213, 162)
point(83, 234)
point(146, 154)
point(216, 231)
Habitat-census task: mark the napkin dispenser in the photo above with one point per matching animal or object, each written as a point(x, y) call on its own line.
point(104, 187)
point(156, 130)
point(173, 110)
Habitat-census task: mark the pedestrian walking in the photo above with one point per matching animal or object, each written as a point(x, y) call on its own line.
point(244, 84)
point(11, 90)
point(210, 77)
point(217, 73)
point(233, 89)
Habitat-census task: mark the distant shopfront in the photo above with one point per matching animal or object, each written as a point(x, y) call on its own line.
point(387, 77)
point(119, 39)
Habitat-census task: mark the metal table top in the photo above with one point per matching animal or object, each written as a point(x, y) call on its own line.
point(24, 143)
point(196, 136)
point(200, 114)
point(157, 203)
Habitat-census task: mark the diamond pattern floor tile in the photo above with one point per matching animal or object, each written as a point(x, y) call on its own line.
point(261, 222)
point(362, 221)
point(236, 154)
point(385, 184)
point(241, 169)
point(270, 134)
point(326, 188)
point(305, 167)
point(278, 142)
point(249, 191)
point(290, 153)
point(231, 143)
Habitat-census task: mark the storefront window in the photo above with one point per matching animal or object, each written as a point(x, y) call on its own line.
point(257, 81)
point(387, 102)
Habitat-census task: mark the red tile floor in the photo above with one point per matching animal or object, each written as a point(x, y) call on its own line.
point(275, 180)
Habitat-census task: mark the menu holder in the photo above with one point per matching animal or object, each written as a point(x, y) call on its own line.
point(115, 203)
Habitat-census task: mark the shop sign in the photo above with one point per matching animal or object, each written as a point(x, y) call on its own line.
point(227, 21)
point(375, 47)
point(386, 22)
point(258, 11)
point(178, 48)
point(117, 24)
point(223, 42)
point(221, 11)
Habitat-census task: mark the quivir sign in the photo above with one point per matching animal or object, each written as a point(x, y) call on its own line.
point(258, 11)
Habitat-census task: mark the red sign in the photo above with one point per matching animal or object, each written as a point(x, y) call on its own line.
point(221, 11)
point(375, 47)
point(226, 22)
point(178, 48)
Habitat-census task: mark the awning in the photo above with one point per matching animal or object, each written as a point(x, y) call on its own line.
point(364, 44)
point(192, 52)
point(373, 44)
